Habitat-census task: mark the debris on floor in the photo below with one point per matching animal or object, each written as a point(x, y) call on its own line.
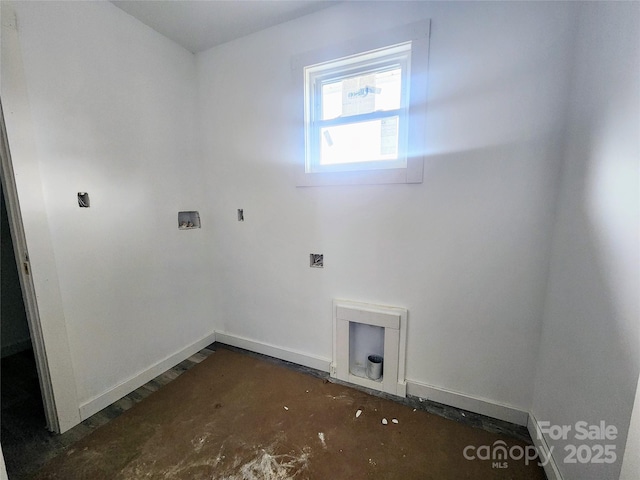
point(268, 465)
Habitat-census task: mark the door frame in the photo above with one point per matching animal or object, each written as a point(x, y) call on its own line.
point(29, 222)
point(24, 274)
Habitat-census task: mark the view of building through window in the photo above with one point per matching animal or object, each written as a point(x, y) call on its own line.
point(361, 141)
point(356, 111)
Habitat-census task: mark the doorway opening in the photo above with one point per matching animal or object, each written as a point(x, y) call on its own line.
point(22, 415)
point(24, 296)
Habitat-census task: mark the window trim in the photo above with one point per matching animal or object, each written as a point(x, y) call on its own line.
point(316, 76)
point(418, 34)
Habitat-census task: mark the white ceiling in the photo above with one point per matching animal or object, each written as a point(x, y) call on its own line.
point(201, 24)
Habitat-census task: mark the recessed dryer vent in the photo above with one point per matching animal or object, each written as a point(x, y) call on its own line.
point(188, 220)
point(365, 336)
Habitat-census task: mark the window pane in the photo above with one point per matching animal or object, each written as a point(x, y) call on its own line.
point(363, 93)
point(371, 141)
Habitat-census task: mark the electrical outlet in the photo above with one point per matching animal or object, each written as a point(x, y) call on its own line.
point(316, 260)
point(241, 215)
point(83, 200)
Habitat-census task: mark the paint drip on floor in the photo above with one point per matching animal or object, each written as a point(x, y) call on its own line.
point(321, 437)
point(268, 466)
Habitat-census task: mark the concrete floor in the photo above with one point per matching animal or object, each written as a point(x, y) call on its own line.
point(26, 444)
point(242, 416)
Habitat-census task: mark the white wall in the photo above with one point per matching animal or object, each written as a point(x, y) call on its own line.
point(112, 109)
point(590, 350)
point(631, 461)
point(3, 468)
point(466, 251)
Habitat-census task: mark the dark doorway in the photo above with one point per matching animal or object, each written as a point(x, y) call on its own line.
point(22, 419)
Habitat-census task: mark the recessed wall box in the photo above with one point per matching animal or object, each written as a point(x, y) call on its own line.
point(188, 220)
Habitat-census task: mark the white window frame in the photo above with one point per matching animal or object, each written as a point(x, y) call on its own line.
point(316, 76)
point(312, 68)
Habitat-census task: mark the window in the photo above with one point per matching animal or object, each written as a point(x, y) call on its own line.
point(356, 111)
point(364, 110)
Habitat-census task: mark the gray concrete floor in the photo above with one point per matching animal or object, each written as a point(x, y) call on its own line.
point(27, 445)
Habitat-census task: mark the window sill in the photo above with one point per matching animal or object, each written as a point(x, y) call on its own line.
point(411, 174)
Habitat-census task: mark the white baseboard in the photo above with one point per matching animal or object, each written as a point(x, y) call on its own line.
point(116, 393)
point(458, 400)
point(288, 355)
point(550, 468)
point(446, 397)
point(466, 402)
